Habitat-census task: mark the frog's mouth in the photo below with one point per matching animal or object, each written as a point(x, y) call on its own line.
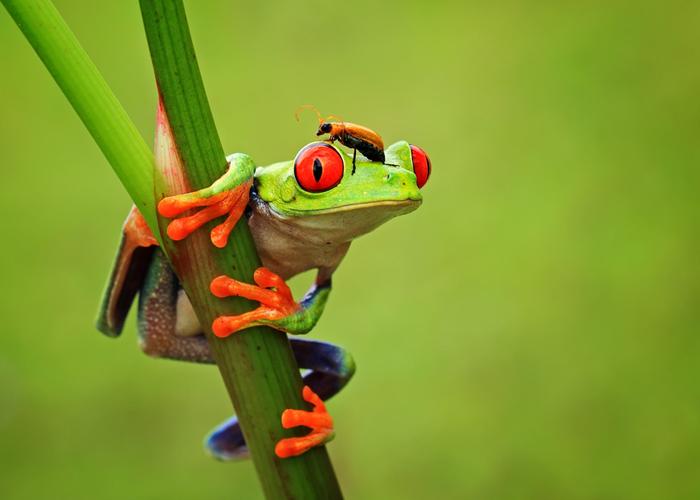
point(405, 206)
point(344, 223)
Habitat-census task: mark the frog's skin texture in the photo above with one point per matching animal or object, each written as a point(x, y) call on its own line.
point(294, 230)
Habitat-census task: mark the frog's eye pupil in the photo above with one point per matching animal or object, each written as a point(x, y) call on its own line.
point(421, 165)
point(318, 167)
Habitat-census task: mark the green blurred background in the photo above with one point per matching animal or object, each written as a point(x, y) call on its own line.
point(530, 333)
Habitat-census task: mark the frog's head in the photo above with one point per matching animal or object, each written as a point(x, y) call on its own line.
point(319, 190)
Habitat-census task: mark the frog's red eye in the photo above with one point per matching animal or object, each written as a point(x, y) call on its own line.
point(318, 167)
point(421, 165)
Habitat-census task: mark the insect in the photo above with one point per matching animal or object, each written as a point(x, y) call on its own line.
point(351, 135)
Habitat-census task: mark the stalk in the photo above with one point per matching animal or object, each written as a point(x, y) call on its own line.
point(257, 366)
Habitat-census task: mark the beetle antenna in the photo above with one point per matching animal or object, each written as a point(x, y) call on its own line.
point(338, 118)
point(308, 106)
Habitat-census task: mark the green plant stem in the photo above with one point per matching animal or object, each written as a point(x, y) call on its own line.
point(258, 366)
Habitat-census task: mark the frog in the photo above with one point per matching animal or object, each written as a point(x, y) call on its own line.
point(303, 215)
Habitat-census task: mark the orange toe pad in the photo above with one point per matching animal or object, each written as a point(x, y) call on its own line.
point(318, 420)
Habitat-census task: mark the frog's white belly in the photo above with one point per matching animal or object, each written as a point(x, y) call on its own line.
point(288, 249)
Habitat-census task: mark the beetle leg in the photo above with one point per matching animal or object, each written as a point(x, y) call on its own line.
point(354, 155)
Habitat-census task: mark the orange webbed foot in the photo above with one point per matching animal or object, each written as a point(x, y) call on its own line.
point(231, 202)
point(275, 297)
point(318, 420)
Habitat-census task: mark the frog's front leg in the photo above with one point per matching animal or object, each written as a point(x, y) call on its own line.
point(277, 309)
point(227, 195)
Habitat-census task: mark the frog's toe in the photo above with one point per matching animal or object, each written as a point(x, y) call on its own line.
point(275, 297)
point(172, 206)
point(231, 202)
point(181, 228)
point(318, 420)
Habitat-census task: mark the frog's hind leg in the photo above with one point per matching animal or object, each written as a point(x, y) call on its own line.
point(167, 325)
point(329, 367)
point(128, 273)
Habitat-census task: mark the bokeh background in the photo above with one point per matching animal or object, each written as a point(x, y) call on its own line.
point(530, 333)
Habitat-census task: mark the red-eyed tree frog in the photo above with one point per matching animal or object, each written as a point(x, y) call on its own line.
point(302, 214)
